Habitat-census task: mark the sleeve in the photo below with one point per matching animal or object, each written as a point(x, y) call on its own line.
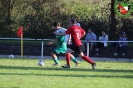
point(68, 31)
point(82, 31)
point(100, 38)
point(125, 43)
point(126, 39)
point(57, 31)
point(63, 30)
point(66, 38)
point(106, 37)
point(120, 39)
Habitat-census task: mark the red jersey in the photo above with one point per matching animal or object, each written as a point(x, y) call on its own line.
point(76, 34)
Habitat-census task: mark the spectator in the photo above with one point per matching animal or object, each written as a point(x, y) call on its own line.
point(78, 24)
point(122, 45)
point(102, 37)
point(91, 36)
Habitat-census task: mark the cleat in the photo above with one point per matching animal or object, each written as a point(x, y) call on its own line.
point(93, 66)
point(65, 66)
point(53, 65)
point(77, 64)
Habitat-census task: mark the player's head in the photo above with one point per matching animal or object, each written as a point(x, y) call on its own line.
point(56, 25)
point(73, 21)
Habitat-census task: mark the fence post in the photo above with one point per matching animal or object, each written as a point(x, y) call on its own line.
point(42, 50)
point(87, 49)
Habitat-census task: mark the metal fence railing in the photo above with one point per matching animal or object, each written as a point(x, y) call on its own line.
point(28, 39)
point(43, 48)
point(104, 41)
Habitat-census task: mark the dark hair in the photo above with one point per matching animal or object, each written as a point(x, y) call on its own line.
point(55, 24)
point(90, 29)
point(73, 20)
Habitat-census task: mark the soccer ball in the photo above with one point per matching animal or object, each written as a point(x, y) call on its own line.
point(41, 63)
point(11, 56)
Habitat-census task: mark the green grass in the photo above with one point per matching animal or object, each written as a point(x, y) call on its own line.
point(25, 73)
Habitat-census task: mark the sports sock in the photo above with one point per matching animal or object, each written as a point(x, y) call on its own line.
point(87, 59)
point(74, 59)
point(56, 60)
point(68, 59)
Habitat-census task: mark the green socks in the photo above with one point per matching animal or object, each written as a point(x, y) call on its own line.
point(74, 60)
point(56, 60)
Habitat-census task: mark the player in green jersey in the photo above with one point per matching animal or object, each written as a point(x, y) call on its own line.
point(61, 45)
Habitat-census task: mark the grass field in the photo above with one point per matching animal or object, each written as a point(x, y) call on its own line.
point(25, 73)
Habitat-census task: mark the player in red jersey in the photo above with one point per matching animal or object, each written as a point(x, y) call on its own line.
point(76, 34)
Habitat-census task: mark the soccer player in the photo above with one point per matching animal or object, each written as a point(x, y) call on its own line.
point(76, 34)
point(61, 45)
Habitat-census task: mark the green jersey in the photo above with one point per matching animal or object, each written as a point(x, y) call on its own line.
point(61, 43)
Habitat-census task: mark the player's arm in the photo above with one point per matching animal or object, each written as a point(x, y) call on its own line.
point(61, 34)
point(64, 33)
point(49, 43)
point(83, 33)
point(69, 39)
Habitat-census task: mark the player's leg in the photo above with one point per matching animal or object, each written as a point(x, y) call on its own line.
point(72, 57)
point(56, 51)
point(67, 54)
point(87, 59)
point(53, 54)
point(74, 60)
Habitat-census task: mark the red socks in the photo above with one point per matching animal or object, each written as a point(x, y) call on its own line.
point(87, 59)
point(68, 59)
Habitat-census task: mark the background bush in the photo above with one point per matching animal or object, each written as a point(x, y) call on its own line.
point(37, 16)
